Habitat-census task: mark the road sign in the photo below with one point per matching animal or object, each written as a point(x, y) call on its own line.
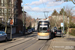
point(62, 24)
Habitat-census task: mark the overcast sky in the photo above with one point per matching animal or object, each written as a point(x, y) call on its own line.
point(36, 8)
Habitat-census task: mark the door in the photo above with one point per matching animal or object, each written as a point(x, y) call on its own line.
point(4, 35)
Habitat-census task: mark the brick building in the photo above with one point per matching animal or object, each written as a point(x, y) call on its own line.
point(18, 14)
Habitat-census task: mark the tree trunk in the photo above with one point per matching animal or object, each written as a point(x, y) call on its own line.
point(5, 28)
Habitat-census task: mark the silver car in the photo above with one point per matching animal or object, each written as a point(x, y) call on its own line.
point(3, 36)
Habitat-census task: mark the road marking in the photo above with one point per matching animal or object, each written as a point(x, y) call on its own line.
point(64, 47)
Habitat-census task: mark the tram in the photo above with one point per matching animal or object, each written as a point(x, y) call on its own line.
point(43, 29)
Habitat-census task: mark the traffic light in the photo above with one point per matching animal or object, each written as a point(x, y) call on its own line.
point(11, 21)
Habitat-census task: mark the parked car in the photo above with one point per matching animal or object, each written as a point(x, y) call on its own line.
point(29, 31)
point(33, 29)
point(3, 36)
point(26, 31)
point(53, 31)
point(58, 33)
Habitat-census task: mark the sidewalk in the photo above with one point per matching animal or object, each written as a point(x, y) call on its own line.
point(14, 36)
point(60, 43)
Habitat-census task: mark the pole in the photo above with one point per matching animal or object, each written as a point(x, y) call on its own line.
point(68, 28)
point(23, 23)
point(63, 20)
point(11, 33)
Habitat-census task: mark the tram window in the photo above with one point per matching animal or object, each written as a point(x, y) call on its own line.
point(44, 29)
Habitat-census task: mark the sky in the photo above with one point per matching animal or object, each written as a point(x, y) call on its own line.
point(43, 8)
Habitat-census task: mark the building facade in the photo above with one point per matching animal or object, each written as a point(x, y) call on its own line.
point(6, 9)
point(11, 9)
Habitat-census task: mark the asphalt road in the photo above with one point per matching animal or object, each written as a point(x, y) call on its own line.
point(28, 42)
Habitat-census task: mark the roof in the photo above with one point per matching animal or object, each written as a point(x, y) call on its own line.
point(73, 17)
point(49, 17)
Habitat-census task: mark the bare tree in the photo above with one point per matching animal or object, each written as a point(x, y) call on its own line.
point(52, 22)
point(69, 12)
point(28, 21)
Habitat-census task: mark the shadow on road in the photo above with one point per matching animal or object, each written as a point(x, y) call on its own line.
point(52, 35)
point(31, 35)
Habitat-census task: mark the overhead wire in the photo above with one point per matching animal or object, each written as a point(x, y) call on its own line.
point(31, 9)
point(45, 10)
point(40, 11)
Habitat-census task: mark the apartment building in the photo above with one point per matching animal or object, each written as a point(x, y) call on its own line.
point(11, 9)
point(6, 9)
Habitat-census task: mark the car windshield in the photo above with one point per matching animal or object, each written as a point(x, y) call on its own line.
point(58, 30)
point(0, 33)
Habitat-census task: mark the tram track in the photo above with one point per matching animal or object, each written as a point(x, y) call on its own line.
point(9, 42)
point(23, 41)
point(41, 42)
point(30, 45)
point(21, 44)
point(43, 45)
point(27, 44)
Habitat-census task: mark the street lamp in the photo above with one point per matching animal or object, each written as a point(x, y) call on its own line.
point(63, 20)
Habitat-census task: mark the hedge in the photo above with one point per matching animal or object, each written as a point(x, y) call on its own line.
point(72, 32)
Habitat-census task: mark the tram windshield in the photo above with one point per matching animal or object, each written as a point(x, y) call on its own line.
point(43, 29)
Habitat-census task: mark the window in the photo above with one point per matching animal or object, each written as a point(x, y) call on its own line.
point(9, 10)
point(0, 10)
point(9, 14)
point(5, 3)
point(0, 33)
point(5, 14)
point(10, 3)
point(43, 29)
point(1, 14)
point(5, 10)
point(2, 2)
